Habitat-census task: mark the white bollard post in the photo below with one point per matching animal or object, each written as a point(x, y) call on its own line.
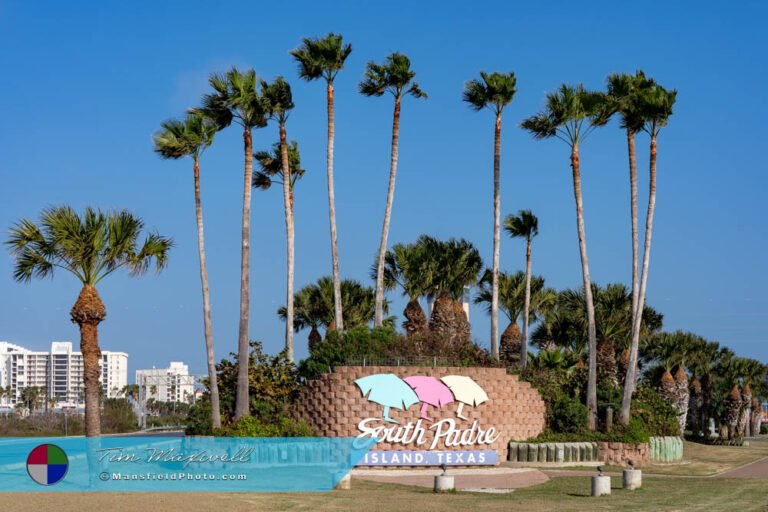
point(601, 485)
point(444, 483)
point(631, 479)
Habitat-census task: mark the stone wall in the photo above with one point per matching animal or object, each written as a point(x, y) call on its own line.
point(619, 454)
point(333, 405)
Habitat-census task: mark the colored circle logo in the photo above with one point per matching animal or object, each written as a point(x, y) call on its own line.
point(47, 464)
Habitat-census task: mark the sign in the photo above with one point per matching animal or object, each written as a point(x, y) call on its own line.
point(433, 395)
point(430, 458)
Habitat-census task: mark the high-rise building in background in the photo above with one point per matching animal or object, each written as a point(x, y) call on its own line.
point(58, 372)
point(172, 384)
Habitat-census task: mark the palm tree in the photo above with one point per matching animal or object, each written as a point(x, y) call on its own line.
point(315, 307)
point(236, 99)
point(524, 225)
point(178, 139)
point(655, 106)
point(91, 247)
point(570, 115)
point(455, 265)
point(410, 267)
point(396, 77)
point(520, 295)
point(131, 391)
point(324, 58)
point(494, 92)
point(279, 102)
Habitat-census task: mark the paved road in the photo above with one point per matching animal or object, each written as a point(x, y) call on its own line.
point(757, 469)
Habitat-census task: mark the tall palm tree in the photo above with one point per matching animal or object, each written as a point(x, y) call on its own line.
point(494, 92)
point(90, 247)
point(655, 107)
point(570, 115)
point(524, 225)
point(324, 58)
point(396, 77)
point(278, 102)
point(178, 139)
point(235, 99)
point(624, 97)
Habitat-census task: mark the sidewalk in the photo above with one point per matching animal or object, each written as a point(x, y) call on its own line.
point(466, 479)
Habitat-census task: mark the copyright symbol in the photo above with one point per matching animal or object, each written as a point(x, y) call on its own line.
point(104, 476)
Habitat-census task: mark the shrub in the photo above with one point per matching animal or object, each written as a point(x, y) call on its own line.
point(658, 415)
point(251, 426)
point(764, 429)
point(568, 415)
point(385, 344)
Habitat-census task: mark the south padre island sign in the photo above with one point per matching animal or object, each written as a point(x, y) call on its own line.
point(442, 421)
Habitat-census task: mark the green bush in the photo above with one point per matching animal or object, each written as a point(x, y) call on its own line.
point(658, 415)
point(384, 343)
point(568, 415)
point(634, 433)
point(764, 429)
point(251, 426)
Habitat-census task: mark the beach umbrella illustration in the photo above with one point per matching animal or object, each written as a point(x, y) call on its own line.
point(430, 391)
point(466, 391)
point(389, 390)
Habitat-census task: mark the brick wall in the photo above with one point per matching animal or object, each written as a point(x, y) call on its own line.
point(334, 405)
point(618, 454)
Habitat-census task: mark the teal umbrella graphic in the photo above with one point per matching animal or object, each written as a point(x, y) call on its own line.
point(389, 390)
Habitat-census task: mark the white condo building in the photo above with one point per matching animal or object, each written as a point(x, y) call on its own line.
point(59, 372)
point(172, 384)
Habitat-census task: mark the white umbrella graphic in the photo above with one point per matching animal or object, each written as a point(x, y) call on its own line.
point(465, 391)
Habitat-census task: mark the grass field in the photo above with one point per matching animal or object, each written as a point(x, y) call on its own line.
point(678, 488)
point(561, 494)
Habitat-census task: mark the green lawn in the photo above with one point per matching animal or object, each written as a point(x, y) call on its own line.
point(561, 494)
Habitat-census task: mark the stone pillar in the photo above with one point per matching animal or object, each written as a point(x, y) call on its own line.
point(631, 479)
point(444, 483)
point(601, 485)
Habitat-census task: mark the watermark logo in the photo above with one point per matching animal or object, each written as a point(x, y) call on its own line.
point(47, 464)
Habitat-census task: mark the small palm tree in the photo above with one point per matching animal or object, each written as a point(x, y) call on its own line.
point(409, 266)
point(571, 113)
point(279, 103)
point(178, 139)
point(524, 225)
point(315, 308)
point(455, 265)
point(494, 92)
point(396, 77)
point(90, 247)
point(324, 58)
point(512, 302)
point(235, 99)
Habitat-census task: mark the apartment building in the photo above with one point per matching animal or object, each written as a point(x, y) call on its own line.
point(172, 384)
point(58, 371)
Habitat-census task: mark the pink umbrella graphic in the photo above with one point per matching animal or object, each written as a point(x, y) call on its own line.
point(430, 391)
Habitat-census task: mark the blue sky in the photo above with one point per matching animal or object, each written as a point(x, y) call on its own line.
point(85, 86)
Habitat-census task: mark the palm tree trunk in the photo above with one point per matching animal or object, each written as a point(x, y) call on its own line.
point(379, 310)
point(87, 313)
point(591, 330)
point(637, 321)
point(496, 237)
point(242, 401)
point(289, 232)
point(339, 319)
point(207, 325)
point(526, 306)
point(629, 379)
